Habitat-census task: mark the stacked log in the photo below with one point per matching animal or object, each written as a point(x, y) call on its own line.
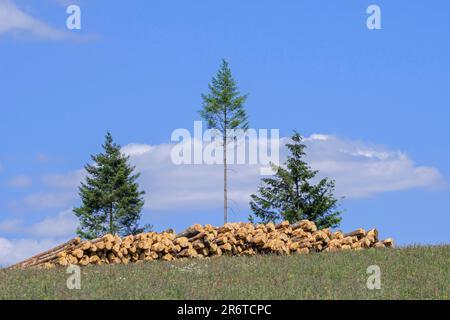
point(207, 241)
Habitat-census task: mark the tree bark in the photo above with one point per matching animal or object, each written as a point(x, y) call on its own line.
point(111, 219)
point(225, 198)
point(188, 233)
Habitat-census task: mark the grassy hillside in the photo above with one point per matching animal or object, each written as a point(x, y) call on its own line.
point(406, 273)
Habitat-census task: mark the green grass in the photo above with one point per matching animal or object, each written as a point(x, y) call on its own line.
point(406, 273)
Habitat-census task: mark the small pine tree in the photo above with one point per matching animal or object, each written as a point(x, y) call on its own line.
point(223, 109)
point(111, 200)
point(289, 194)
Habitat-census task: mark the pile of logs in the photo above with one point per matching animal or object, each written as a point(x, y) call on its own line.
point(206, 241)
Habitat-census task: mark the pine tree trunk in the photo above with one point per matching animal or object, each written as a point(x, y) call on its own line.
point(225, 198)
point(111, 219)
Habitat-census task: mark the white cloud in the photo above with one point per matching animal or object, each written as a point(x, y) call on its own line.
point(15, 250)
point(5, 250)
point(10, 226)
point(50, 200)
point(18, 22)
point(12, 19)
point(136, 149)
point(60, 225)
point(20, 181)
point(69, 180)
point(64, 224)
point(317, 136)
point(360, 170)
point(36, 238)
point(65, 3)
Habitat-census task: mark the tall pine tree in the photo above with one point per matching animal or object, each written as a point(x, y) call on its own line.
point(223, 109)
point(111, 200)
point(290, 194)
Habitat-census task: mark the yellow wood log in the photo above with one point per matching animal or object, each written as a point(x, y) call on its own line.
point(281, 225)
point(365, 243)
point(62, 261)
point(259, 239)
point(249, 252)
point(78, 253)
point(372, 235)
point(284, 237)
point(100, 245)
point(356, 245)
point(338, 235)
point(379, 245)
point(62, 254)
point(108, 245)
point(389, 242)
point(72, 259)
point(117, 239)
point(84, 261)
point(116, 248)
point(158, 247)
point(86, 245)
point(94, 259)
point(303, 250)
point(226, 247)
point(188, 253)
point(347, 241)
point(222, 240)
point(198, 244)
point(167, 257)
point(360, 233)
point(108, 237)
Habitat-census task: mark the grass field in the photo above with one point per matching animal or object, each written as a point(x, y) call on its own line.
point(406, 273)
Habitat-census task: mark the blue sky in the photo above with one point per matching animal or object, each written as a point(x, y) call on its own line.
point(138, 69)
